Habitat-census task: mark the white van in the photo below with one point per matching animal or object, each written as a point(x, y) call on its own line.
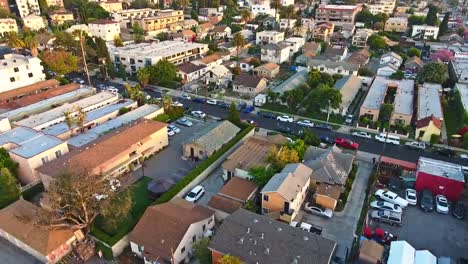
point(382, 137)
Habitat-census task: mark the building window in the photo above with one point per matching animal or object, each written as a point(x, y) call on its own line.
point(12, 79)
point(16, 69)
point(182, 250)
point(30, 74)
point(45, 159)
point(265, 210)
point(203, 227)
point(141, 248)
point(194, 238)
point(265, 197)
point(58, 153)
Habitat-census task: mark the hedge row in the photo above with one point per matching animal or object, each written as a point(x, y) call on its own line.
point(166, 197)
point(348, 186)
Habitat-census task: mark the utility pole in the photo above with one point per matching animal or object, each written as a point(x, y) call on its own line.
point(328, 112)
point(85, 66)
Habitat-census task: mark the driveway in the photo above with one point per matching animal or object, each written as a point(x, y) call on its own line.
point(342, 226)
point(212, 184)
point(10, 254)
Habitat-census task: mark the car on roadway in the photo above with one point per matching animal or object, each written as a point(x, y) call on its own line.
point(198, 100)
point(416, 145)
point(361, 134)
point(79, 80)
point(185, 96)
point(285, 118)
point(250, 122)
point(326, 139)
point(248, 109)
point(283, 128)
point(307, 227)
point(386, 206)
point(184, 122)
point(349, 119)
point(101, 86)
point(426, 201)
point(445, 152)
point(174, 128)
point(198, 114)
point(442, 206)
point(267, 115)
point(305, 123)
point(112, 90)
point(323, 127)
point(463, 156)
point(391, 197)
point(411, 196)
point(170, 132)
point(458, 211)
point(195, 194)
point(386, 216)
point(212, 102)
point(318, 210)
point(241, 106)
point(177, 104)
point(147, 96)
point(346, 143)
point(223, 104)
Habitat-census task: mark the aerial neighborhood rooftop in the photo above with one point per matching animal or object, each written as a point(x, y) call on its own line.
point(214, 132)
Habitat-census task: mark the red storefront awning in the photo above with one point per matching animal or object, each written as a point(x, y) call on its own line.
point(406, 165)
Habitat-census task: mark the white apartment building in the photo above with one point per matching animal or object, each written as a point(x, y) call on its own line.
point(361, 36)
point(277, 53)
point(295, 44)
point(262, 9)
point(34, 22)
point(267, 37)
point(17, 71)
point(127, 16)
point(7, 25)
point(425, 31)
point(26, 7)
point(283, 23)
point(136, 56)
point(382, 6)
point(57, 3)
point(105, 29)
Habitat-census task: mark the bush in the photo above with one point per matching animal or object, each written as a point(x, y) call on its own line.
point(166, 197)
point(162, 118)
point(175, 113)
point(435, 139)
point(33, 191)
point(106, 251)
point(465, 141)
point(344, 196)
point(122, 111)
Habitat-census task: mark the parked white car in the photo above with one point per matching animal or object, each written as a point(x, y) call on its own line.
point(442, 205)
point(212, 102)
point(285, 118)
point(305, 123)
point(416, 145)
point(196, 193)
point(386, 206)
point(391, 197)
point(198, 114)
point(174, 128)
point(186, 97)
point(177, 104)
point(318, 210)
point(361, 134)
point(170, 132)
point(411, 196)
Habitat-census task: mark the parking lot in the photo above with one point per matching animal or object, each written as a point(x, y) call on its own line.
point(441, 234)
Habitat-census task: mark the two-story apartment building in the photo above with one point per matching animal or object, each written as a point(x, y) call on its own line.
point(397, 24)
point(27, 7)
point(337, 13)
point(425, 31)
point(277, 53)
point(60, 17)
point(268, 37)
point(105, 29)
point(127, 17)
point(7, 25)
point(17, 71)
point(382, 6)
point(333, 67)
point(361, 36)
point(162, 21)
point(283, 195)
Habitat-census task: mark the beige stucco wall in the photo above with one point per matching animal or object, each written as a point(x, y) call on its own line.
point(195, 229)
point(428, 131)
point(326, 201)
point(374, 112)
point(262, 85)
point(396, 116)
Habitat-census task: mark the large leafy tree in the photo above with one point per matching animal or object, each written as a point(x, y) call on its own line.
point(416, 20)
point(7, 162)
point(67, 41)
point(322, 97)
point(434, 72)
point(444, 25)
point(9, 191)
point(246, 15)
point(413, 52)
point(431, 17)
point(261, 175)
point(163, 72)
point(288, 12)
point(135, 93)
point(377, 42)
point(279, 159)
point(385, 112)
point(229, 259)
point(143, 75)
point(138, 33)
point(201, 251)
point(293, 98)
point(234, 115)
point(60, 61)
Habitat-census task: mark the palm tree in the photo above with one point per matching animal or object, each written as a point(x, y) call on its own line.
point(166, 102)
point(135, 93)
point(288, 13)
point(298, 26)
point(246, 15)
point(30, 42)
point(68, 119)
point(184, 4)
point(276, 4)
point(143, 76)
point(14, 41)
point(239, 42)
point(80, 118)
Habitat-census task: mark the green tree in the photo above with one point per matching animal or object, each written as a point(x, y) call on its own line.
point(14, 40)
point(261, 175)
point(314, 78)
point(322, 97)
point(365, 72)
point(292, 98)
point(143, 75)
point(246, 15)
point(239, 42)
point(434, 72)
point(194, 15)
point(118, 42)
point(9, 191)
point(413, 52)
point(163, 72)
point(279, 159)
point(276, 4)
point(326, 79)
point(288, 13)
point(138, 33)
point(376, 42)
point(67, 42)
point(272, 96)
point(444, 25)
point(229, 259)
point(366, 17)
point(431, 17)
point(60, 61)
point(416, 20)
point(398, 75)
point(386, 111)
point(118, 212)
point(135, 93)
point(43, 6)
point(310, 138)
point(201, 251)
point(234, 115)
point(7, 162)
point(138, 4)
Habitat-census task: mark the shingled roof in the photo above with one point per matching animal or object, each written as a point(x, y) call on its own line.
point(214, 136)
point(247, 80)
point(329, 166)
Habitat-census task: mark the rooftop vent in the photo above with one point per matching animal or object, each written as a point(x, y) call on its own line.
point(267, 251)
point(241, 241)
point(248, 230)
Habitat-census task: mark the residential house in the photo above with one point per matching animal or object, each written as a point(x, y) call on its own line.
point(295, 44)
point(249, 84)
point(311, 49)
point(360, 57)
point(28, 7)
point(185, 35)
point(203, 30)
point(323, 31)
point(335, 53)
point(105, 29)
point(331, 168)
point(234, 194)
point(256, 238)
point(337, 13)
point(340, 38)
point(111, 6)
point(7, 25)
point(349, 87)
point(208, 140)
point(189, 23)
point(262, 8)
point(430, 115)
point(269, 37)
point(221, 32)
point(189, 72)
point(18, 71)
point(111, 155)
point(333, 67)
point(382, 6)
point(20, 224)
point(268, 22)
point(60, 17)
point(283, 195)
point(210, 61)
point(252, 153)
point(397, 24)
point(246, 65)
point(286, 23)
point(166, 232)
point(427, 127)
point(414, 64)
point(277, 53)
point(361, 36)
point(34, 22)
point(425, 32)
point(389, 64)
point(219, 75)
point(268, 70)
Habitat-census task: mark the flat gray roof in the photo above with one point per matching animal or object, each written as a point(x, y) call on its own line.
point(27, 110)
point(429, 101)
point(292, 82)
point(29, 141)
point(124, 119)
point(441, 168)
point(56, 113)
point(404, 97)
point(62, 127)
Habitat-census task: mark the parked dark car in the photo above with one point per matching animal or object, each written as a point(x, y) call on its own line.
point(445, 152)
point(267, 115)
point(198, 100)
point(323, 127)
point(241, 106)
point(427, 201)
point(283, 129)
point(248, 109)
point(327, 140)
point(223, 104)
point(458, 211)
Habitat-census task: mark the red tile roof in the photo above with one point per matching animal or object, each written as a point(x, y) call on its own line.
point(425, 122)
